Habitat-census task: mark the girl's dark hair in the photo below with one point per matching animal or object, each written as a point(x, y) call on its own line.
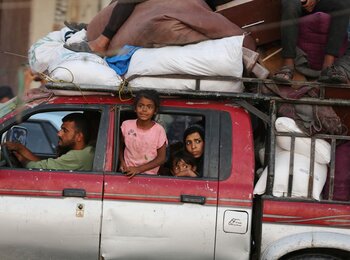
point(149, 94)
point(183, 155)
point(194, 129)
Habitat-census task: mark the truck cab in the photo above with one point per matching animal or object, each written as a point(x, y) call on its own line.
point(103, 214)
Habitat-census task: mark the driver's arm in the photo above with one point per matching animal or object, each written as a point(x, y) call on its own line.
point(22, 153)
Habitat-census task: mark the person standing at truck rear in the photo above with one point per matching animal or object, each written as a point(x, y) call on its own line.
point(120, 14)
point(292, 10)
point(194, 144)
point(73, 139)
point(143, 141)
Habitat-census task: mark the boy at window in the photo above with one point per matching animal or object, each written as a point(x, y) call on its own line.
point(183, 164)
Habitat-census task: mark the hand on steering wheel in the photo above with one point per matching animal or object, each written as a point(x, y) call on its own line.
point(6, 155)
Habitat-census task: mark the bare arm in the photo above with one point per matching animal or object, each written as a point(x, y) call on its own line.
point(159, 160)
point(22, 153)
point(122, 165)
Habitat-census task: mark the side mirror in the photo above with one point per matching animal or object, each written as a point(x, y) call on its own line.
point(17, 134)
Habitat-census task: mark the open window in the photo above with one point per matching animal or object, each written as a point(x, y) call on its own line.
point(40, 130)
point(175, 121)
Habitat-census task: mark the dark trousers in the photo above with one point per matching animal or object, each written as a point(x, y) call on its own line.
point(292, 11)
point(120, 13)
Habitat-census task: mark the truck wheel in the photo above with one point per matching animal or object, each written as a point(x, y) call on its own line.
point(313, 256)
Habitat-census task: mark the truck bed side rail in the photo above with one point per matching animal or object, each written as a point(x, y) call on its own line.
point(334, 140)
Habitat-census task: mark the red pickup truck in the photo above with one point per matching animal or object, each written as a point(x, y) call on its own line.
point(102, 214)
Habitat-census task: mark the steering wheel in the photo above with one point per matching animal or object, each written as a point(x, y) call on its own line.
point(6, 155)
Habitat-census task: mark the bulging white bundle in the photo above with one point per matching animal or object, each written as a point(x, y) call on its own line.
point(301, 174)
point(301, 165)
point(49, 56)
point(302, 144)
point(220, 57)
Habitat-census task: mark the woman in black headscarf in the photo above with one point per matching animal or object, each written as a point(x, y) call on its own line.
point(194, 143)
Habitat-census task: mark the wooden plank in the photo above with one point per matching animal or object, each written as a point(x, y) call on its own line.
point(259, 17)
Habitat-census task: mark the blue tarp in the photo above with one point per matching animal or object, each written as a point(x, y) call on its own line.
point(120, 62)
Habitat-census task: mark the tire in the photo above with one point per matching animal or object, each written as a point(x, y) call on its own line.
point(314, 256)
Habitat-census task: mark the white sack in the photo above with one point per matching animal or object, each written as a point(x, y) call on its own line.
point(49, 55)
point(84, 68)
point(47, 50)
point(220, 57)
point(302, 145)
point(300, 177)
point(261, 153)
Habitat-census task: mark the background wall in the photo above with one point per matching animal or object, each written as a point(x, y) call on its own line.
point(48, 15)
point(23, 22)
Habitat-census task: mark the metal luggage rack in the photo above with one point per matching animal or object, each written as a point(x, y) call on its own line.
point(249, 83)
point(244, 99)
point(247, 99)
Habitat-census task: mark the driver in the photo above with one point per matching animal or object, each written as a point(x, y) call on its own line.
point(73, 151)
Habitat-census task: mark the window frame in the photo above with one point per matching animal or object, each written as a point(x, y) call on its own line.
point(216, 156)
point(101, 143)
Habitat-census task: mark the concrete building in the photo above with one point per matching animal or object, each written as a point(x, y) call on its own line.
point(23, 22)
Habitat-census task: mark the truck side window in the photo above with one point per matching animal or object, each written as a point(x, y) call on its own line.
point(42, 139)
point(176, 125)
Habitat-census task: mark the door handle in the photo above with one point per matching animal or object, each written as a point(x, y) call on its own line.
point(81, 193)
point(193, 199)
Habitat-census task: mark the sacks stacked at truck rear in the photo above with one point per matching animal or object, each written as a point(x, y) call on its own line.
point(201, 44)
point(301, 165)
point(48, 56)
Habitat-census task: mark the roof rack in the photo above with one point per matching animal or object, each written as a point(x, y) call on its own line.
point(249, 83)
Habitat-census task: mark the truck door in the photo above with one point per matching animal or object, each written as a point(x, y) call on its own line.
point(236, 179)
point(50, 214)
point(163, 217)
